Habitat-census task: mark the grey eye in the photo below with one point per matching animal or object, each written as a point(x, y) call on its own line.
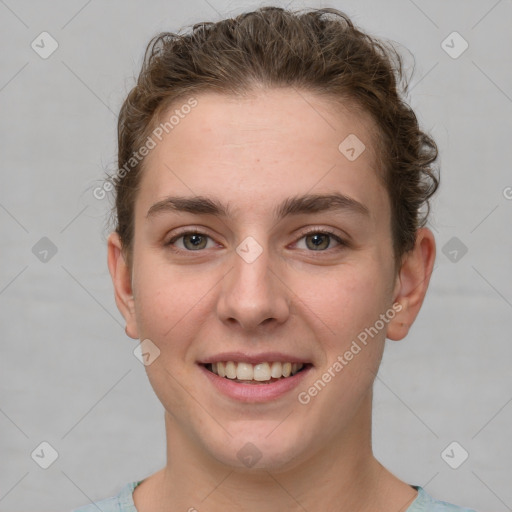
point(194, 241)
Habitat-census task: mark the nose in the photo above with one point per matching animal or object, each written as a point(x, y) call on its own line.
point(253, 296)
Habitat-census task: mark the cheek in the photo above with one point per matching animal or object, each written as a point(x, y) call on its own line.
point(346, 302)
point(168, 302)
point(169, 309)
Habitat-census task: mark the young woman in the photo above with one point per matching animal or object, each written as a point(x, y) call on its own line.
point(271, 200)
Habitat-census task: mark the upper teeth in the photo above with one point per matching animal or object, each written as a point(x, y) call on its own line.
point(259, 372)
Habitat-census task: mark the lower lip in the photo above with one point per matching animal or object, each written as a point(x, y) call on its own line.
point(255, 392)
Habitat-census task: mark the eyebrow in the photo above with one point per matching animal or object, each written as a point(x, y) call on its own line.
point(309, 203)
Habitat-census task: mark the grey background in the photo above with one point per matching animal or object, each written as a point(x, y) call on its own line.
point(67, 372)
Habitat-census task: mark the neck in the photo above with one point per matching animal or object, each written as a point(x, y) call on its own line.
point(343, 475)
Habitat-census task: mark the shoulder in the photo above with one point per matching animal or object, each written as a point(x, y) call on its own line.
point(425, 503)
point(122, 502)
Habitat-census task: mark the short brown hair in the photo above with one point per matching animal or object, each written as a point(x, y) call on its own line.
point(317, 50)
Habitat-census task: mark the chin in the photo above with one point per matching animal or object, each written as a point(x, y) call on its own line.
point(263, 447)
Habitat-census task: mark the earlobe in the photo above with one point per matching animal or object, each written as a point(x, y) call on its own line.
point(121, 279)
point(412, 283)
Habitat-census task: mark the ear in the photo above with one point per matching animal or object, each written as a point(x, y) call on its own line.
point(121, 278)
point(412, 283)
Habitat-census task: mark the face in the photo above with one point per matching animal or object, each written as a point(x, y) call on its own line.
point(258, 243)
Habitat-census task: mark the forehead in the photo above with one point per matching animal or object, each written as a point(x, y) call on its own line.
point(281, 141)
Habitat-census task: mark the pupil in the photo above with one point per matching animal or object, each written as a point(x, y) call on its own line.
point(320, 241)
point(194, 241)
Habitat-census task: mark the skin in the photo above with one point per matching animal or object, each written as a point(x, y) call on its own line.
point(252, 153)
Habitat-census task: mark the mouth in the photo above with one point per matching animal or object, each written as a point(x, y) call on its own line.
point(263, 377)
point(260, 373)
point(252, 378)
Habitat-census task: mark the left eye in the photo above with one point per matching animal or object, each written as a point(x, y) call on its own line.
point(319, 240)
point(191, 241)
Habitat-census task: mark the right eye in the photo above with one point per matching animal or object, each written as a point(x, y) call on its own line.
point(190, 241)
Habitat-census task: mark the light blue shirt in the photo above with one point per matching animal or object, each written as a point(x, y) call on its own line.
point(123, 502)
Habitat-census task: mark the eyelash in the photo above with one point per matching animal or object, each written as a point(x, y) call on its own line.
point(342, 243)
point(181, 235)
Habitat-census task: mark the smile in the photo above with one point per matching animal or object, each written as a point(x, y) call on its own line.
point(265, 372)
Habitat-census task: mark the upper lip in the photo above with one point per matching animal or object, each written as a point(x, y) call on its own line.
point(262, 357)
